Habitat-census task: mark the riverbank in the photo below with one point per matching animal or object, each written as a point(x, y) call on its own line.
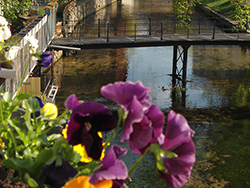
point(224, 20)
point(222, 7)
point(215, 115)
point(224, 11)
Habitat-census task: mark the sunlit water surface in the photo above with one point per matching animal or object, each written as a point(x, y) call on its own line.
point(218, 76)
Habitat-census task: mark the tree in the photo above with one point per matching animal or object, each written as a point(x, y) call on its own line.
point(13, 8)
point(183, 10)
point(243, 13)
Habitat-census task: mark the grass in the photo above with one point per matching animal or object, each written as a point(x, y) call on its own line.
point(224, 7)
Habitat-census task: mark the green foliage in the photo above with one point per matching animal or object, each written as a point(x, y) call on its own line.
point(234, 9)
point(243, 13)
point(41, 12)
point(12, 9)
point(27, 146)
point(224, 7)
point(183, 10)
point(14, 40)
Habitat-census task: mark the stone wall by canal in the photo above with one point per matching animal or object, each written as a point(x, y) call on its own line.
point(76, 11)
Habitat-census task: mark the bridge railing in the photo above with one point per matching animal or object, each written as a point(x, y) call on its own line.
point(130, 27)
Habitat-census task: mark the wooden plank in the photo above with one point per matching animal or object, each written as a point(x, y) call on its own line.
point(32, 86)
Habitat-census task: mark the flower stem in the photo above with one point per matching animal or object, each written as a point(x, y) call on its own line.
point(57, 121)
point(5, 124)
point(113, 133)
point(138, 161)
point(15, 57)
point(21, 82)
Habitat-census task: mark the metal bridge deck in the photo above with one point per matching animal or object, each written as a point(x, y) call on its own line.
point(150, 40)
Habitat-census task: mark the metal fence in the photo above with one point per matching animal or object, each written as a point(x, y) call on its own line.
point(150, 26)
point(44, 29)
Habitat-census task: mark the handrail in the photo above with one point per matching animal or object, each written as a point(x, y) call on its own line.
point(115, 27)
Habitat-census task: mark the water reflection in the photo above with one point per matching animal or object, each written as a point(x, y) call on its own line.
point(222, 154)
point(219, 76)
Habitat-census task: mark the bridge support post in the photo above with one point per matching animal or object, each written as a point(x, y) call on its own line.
point(179, 77)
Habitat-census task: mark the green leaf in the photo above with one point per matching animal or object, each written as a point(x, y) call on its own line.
point(89, 168)
point(18, 164)
point(45, 156)
point(58, 161)
point(53, 137)
point(160, 154)
point(7, 97)
point(28, 152)
point(9, 163)
point(21, 133)
point(43, 137)
point(22, 96)
point(30, 181)
point(27, 116)
point(62, 149)
point(33, 104)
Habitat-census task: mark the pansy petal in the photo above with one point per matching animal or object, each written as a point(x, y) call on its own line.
point(93, 108)
point(93, 145)
point(118, 183)
point(46, 59)
point(140, 138)
point(112, 168)
point(175, 181)
point(5, 32)
point(123, 92)
point(71, 102)
point(178, 131)
point(118, 171)
point(102, 122)
point(135, 115)
point(40, 101)
point(83, 182)
point(156, 116)
point(58, 176)
point(185, 160)
point(74, 131)
point(86, 120)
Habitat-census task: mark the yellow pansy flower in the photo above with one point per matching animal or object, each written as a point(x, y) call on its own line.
point(1, 41)
point(83, 182)
point(50, 109)
point(1, 143)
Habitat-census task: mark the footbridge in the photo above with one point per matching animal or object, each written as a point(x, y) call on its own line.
point(100, 34)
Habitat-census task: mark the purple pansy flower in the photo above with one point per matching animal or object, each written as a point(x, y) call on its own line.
point(147, 130)
point(112, 168)
point(40, 101)
point(142, 118)
point(123, 93)
point(41, 104)
point(87, 119)
point(58, 176)
point(178, 140)
point(46, 59)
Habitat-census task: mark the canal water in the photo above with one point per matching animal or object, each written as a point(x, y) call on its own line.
point(217, 91)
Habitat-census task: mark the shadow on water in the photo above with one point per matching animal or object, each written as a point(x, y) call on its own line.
point(217, 98)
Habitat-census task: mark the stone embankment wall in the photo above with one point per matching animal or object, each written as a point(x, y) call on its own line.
point(76, 11)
